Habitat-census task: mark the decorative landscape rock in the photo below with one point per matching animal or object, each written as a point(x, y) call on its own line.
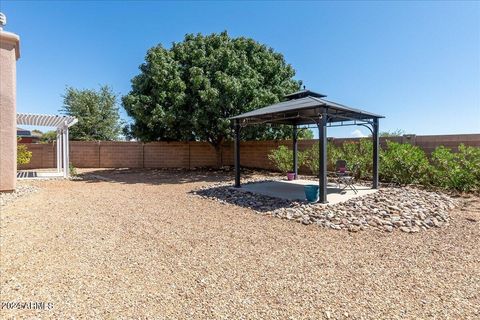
point(407, 209)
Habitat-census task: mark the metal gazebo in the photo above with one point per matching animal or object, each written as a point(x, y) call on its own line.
point(303, 108)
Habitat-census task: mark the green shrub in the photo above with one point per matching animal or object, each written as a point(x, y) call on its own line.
point(358, 155)
point(458, 171)
point(73, 170)
point(404, 164)
point(365, 161)
point(399, 163)
point(282, 158)
point(311, 157)
point(23, 155)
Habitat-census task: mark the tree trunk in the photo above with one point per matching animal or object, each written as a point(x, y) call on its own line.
point(218, 152)
point(217, 145)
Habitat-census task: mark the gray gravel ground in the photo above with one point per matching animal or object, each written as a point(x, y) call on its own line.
point(140, 245)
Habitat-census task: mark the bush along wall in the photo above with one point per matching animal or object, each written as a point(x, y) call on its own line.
point(460, 171)
point(282, 159)
point(456, 170)
point(402, 164)
point(23, 155)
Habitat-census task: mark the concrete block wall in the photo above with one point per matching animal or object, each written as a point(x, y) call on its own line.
point(166, 155)
point(121, 154)
point(202, 154)
point(189, 155)
point(43, 156)
point(429, 143)
point(85, 154)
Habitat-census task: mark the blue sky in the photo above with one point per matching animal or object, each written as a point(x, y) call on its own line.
point(417, 63)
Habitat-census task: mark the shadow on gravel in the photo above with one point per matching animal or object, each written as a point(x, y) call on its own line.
point(159, 176)
point(245, 199)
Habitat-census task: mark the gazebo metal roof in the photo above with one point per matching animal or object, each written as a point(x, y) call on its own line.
point(304, 111)
point(45, 120)
point(304, 93)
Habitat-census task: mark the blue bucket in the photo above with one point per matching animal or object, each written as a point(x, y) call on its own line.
point(311, 192)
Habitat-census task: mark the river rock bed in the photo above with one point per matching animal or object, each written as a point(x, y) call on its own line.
point(407, 209)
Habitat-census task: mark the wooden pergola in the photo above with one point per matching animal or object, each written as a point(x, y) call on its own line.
point(304, 108)
point(61, 124)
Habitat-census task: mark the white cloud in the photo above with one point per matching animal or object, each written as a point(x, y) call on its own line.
point(358, 134)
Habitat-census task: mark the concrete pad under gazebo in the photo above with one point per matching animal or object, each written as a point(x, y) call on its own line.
point(294, 190)
point(305, 108)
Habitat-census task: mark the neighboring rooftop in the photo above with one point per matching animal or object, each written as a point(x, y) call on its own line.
point(23, 132)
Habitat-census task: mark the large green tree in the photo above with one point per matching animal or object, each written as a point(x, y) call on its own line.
point(189, 91)
point(96, 111)
point(48, 137)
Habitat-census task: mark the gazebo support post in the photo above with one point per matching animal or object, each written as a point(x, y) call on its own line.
point(322, 165)
point(376, 148)
point(295, 151)
point(237, 153)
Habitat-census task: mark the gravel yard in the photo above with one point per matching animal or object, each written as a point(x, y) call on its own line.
point(140, 244)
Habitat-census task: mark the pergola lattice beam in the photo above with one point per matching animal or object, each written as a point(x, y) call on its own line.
point(45, 120)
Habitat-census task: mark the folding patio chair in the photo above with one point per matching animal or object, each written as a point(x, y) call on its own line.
point(344, 176)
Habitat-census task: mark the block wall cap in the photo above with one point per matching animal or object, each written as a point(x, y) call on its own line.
point(6, 36)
